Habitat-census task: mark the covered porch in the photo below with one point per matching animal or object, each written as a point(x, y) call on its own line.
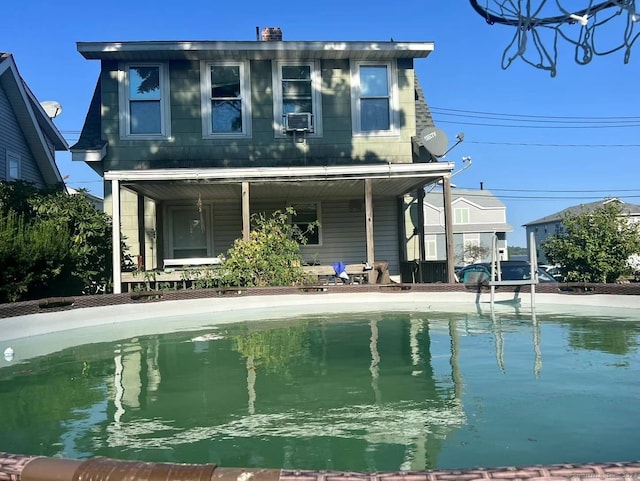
point(170, 214)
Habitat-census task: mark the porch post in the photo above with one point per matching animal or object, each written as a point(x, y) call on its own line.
point(246, 215)
point(368, 207)
point(448, 227)
point(115, 235)
point(421, 239)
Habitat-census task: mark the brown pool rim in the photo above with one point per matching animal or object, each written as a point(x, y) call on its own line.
point(15, 467)
point(564, 290)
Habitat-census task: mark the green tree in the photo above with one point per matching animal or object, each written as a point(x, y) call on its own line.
point(51, 243)
point(35, 258)
point(594, 246)
point(271, 256)
point(475, 252)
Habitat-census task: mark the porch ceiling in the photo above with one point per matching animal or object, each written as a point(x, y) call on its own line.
point(320, 183)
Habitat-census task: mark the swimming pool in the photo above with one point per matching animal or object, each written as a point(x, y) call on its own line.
point(365, 385)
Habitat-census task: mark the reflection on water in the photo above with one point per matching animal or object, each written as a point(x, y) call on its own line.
point(375, 391)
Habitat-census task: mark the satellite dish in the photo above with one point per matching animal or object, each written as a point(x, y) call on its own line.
point(435, 141)
point(52, 108)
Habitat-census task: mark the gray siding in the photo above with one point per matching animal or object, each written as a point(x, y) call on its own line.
point(12, 139)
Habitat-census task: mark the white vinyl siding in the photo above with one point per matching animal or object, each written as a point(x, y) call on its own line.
point(374, 98)
point(226, 99)
point(297, 89)
point(144, 101)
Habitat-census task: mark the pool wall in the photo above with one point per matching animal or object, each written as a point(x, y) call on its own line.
point(25, 468)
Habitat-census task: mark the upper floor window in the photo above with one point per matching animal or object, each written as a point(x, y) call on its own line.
point(226, 99)
point(461, 216)
point(13, 166)
point(374, 102)
point(296, 91)
point(144, 101)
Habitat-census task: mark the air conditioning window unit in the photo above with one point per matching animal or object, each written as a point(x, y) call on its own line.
point(298, 122)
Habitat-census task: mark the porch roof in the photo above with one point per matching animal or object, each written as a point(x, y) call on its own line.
point(328, 182)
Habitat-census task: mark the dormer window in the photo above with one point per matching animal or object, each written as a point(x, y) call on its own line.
point(144, 101)
point(226, 99)
point(296, 90)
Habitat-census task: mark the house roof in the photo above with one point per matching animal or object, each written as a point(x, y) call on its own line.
point(423, 121)
point(252, 50)
point(36, 126)
point(482, 198)
point(91, 135)
point(627, 209)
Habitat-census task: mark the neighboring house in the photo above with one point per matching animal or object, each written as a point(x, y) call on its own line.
point(552, 224)
point(97, 202)
point(477, 216)
point(28, 137)
point(194, 137)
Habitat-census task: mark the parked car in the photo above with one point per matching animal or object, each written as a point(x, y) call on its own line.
point(554, 271)
point(480, 273)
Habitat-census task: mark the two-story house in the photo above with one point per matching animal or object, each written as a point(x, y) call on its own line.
point(194, 137)
point(28, 138)
point(552, 224)
point(478, 216)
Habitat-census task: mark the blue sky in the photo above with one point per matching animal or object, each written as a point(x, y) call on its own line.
point(535, 168)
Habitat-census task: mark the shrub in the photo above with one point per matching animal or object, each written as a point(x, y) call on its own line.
point(36, 258)
point(271, 256)
point(52, 244)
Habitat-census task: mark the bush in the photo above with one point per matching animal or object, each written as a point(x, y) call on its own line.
point(271, 256)
point(51, 244)
point(36, 258)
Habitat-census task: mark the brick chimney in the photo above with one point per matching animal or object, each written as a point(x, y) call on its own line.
point(270, 34)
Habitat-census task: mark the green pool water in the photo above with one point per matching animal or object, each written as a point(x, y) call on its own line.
point(366, 392)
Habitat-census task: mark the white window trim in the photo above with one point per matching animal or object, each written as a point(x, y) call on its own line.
point(461, 210)
point(318, 205)
point(316, 97)
point(205, 94)
point(430, 240)
point(165, 109)
point(170, 210)
point(9, 157)
point(394, 104)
